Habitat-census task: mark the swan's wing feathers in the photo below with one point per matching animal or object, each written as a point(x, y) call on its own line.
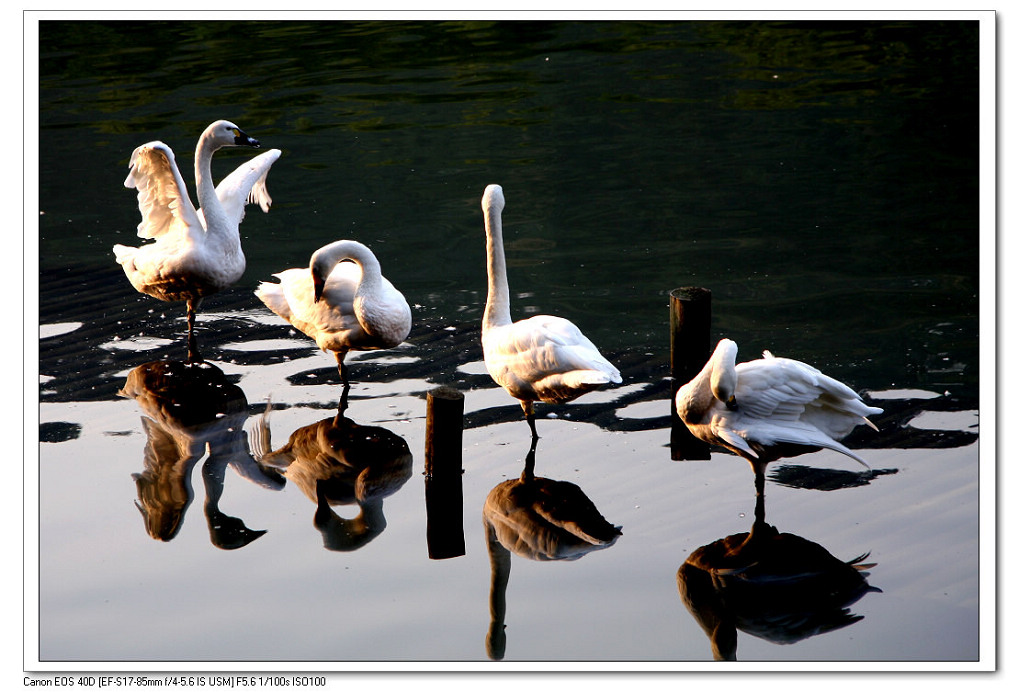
point(274, 298)
point(765, 391)
point(162, 195)
point(800, 433)
point(558, 345)
point(784, 388)
point(246, 185)
point(329, 321)
point(732, 438)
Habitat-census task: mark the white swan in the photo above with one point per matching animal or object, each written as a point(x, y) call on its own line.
point(769, 408)
point(542, 358)
point(343, 303)
point(196, 252)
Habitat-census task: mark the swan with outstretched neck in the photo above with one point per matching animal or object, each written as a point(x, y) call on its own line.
point(342, 301)
point(542, 358)
point(769, 408)
point(196, 252)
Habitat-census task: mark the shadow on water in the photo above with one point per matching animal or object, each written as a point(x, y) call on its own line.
point(537, 519)
point(189, 409)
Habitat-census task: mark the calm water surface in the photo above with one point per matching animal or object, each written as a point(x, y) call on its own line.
point(795, 169)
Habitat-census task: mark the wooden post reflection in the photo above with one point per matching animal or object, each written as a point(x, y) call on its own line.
point(443, 473)
point(690, 348)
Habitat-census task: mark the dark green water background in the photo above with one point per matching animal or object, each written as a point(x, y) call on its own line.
point(819, 177)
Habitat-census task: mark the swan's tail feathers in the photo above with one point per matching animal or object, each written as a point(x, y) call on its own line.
point(869, 423)
point(123, 253)
point(271, 294)
point(260, 437)
point(590, 378)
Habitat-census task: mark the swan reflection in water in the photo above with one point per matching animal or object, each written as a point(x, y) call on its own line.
point(338, 462)
point(538, 519)
point(190, 408)
point(776, 586)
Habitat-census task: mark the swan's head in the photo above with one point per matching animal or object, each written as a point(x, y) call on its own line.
point(325, 259)
point(319, 273)
point(225, 134)
point(723, 372)
point(493, 201)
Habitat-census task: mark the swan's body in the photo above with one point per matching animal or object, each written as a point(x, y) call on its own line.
point(768, 408)
point(196, 252)
point(542, 358)
point(342, 301)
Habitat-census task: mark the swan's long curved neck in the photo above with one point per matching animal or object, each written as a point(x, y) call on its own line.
point(330, 255)
point(208, 202)
point(497, 307)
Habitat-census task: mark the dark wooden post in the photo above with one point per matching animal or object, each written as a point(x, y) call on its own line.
point(443, 473)
point(690, 348)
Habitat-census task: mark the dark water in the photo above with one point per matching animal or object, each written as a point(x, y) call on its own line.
point(821, 178)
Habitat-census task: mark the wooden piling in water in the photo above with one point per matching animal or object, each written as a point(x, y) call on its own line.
point(689, 350)
point(443, 473)
point(444, 431)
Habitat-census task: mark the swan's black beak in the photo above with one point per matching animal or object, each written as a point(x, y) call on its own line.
point(319, 285)
point(241, 139)
point(731, 404)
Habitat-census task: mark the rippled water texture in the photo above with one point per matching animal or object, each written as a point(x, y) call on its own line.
point(820, 178)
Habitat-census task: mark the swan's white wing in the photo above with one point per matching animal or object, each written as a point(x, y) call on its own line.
point(162, 195)
point(780, 388)
point(785, 401)
point(545, 358)
point(546, 345)
point(330, 320)
point(247, 185)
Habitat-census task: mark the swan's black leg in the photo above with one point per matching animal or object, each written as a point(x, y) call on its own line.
point(341, 366)
point(528, 473)
point(759, 504)
point(193, 355)
point(343, 400)
point(344, 378)
point(529, 415)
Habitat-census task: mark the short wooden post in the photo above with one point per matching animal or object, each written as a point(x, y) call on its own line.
point(690, 348)
point(443, 473)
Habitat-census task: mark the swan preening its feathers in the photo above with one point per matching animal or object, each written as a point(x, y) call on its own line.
point(768, 408)
point(342, 301)
point(196, 252)
point(542, 358)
